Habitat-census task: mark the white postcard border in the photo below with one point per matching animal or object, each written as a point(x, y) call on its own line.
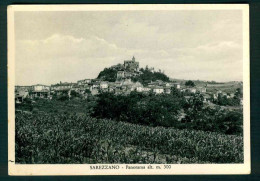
point(84, 169)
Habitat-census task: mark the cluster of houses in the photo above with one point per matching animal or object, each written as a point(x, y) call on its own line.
point(93, 87)
point(122, 85)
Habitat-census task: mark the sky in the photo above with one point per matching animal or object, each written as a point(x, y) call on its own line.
point(186, 44)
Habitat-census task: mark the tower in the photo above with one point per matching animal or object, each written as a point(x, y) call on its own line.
point(133, 59)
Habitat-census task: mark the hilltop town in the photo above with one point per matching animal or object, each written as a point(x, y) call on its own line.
point(126, 101)
point(125, 78)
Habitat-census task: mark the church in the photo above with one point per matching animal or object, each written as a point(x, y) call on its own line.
point(130, 69)
point(131, 65)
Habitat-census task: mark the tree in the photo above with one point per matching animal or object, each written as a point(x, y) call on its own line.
point(238, 93)
point(108, 74)
point(138, 108)
point(87, 91)
point(73, 93)
point(148, 76)
point(175, 92)
point(190, 83)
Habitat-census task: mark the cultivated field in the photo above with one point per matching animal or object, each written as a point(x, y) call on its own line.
point(77, 138)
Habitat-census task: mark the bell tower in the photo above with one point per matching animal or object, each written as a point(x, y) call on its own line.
point(133, 59)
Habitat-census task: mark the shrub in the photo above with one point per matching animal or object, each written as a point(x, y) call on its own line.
point(63, 98)
point(190, 83)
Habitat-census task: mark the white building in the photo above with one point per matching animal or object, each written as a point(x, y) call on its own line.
point(192, 90)
point(146, 89)
point(40, 87)
point(85, 81)
point(202, 89)
point(139, 89)
point(158, 90)
point(103, 85)
point(177, 85)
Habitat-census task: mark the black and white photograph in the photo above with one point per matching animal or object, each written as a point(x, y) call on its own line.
point(128, 89)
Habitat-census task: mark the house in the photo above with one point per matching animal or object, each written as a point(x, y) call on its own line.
point(128, 74)
point(207, 98)
point(86, 86)
point(28, 88)
point(219, 92)
point(183, 90)
point(120, 75)
point(20, 95)
point(158, 90)
point(201, 89)
point(111, 89)
point(139, 89)
point(23, 93)
point(176, 85)
point(167, 84)
point(159, 83)
point(94, 91)
point(192, 90)
point(40, 94)
point(40, 91)
point(128, 91)
point(118, 91)
point(40, 87)
point(62, 86)
point(95, 85)
point(103, 85)
point(151, 84)
point(76, 88)
point(167, 90)
point(85, 81)
point(146, 89)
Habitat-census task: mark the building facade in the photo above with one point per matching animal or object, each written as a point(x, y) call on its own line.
point(131, 65)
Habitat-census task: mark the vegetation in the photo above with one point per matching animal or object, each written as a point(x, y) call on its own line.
point(108, 74)
point(165, 109)
point(73, 138)
point(222, 100)
point(190, 83)
point(147, 76)
point(152, 110)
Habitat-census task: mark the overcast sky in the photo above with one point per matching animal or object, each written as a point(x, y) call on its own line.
point(70, 46)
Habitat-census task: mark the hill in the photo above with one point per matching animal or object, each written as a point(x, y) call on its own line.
point(144, 75)
point(108, 74)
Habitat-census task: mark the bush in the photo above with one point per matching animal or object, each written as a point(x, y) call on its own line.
point(147, 76)
point(190, 83)
point(153, 110)
point(63, 98)
point(74, 94)
point(35, 110)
